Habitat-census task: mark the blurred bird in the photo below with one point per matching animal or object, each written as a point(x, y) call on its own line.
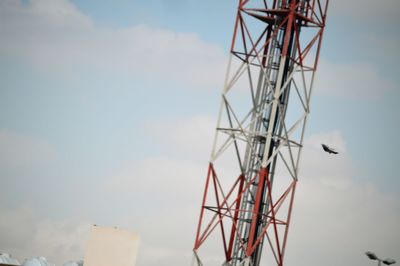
point(328, 149)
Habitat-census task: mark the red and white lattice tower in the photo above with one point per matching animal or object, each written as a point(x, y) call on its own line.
point(254, 165)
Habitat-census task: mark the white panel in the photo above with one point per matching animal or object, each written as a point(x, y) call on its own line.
point(111, 246)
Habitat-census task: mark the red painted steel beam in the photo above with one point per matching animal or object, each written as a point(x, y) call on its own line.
point(196, 243)
point(262, 176)
point(235, 218)
point(219, 213)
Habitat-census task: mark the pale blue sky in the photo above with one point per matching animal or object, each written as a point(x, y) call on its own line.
point(89, 91)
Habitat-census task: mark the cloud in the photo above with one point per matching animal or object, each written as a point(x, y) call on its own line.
point(164, 195)
point(357, 10)
point(160, 176)
point(336, 218)
point(332, 170)
point(166, 192)
point(61, 240)
point(336, 225)
point(352, 81)
point(25, 235)
point(55, 37)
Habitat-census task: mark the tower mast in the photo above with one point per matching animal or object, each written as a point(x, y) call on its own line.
point(260, 130)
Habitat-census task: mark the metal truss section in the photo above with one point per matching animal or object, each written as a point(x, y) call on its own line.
point(254, 165)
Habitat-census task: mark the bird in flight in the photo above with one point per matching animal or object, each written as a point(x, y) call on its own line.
point(328, 149)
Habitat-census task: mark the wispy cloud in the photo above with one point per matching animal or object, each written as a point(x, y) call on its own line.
point(362, 11)
point(25, 235)
point(355, 81)
point(57, 38)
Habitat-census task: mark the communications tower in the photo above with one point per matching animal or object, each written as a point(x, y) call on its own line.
point(253, 170)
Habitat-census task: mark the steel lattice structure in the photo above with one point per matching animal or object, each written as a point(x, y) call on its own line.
point(260, 129)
